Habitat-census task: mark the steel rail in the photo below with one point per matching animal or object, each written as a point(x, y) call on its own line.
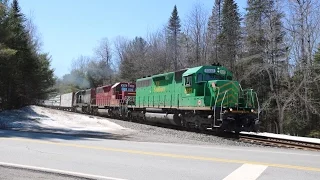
point(279, 142)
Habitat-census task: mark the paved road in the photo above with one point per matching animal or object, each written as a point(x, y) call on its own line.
point(119, 159)
point(9, 173)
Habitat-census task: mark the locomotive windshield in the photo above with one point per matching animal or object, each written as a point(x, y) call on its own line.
point(123, 89)
point(127, 89)
point(207, 77)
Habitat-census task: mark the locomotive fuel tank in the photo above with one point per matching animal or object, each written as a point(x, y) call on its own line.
point(171, 119)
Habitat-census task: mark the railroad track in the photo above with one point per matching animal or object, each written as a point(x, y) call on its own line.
point(249, 138)
point(278, 142)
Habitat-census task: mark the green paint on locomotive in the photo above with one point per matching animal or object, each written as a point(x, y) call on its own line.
point(202, 87)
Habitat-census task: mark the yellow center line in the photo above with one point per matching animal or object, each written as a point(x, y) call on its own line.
point(287, 166)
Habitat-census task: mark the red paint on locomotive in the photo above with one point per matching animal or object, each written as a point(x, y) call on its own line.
point(114, 95)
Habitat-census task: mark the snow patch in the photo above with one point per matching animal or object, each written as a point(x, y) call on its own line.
point(288, 137)
point(35, 117)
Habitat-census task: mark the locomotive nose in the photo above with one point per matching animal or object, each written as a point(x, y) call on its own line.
point(225, 92)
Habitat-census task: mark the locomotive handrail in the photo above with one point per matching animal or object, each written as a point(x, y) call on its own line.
point(245, 93)
point(240, 86)
point(252, 100)
point(221, 104)
point(258, 105)
point(214, 107)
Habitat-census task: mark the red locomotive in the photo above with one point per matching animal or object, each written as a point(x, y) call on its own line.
point(109, 97)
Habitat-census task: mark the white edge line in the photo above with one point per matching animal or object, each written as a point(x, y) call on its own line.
point(247, 172)
point(57, 171)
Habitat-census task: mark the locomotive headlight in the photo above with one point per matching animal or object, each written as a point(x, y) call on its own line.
point(230, 109)
point(252, 110)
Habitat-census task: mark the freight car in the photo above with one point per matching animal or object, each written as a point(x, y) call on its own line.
point(203, 97)
point(66, 102)
point(53, 102)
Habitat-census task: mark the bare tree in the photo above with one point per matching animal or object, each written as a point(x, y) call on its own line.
point(195, 28)
point(103, 56)
point(103, 52)
point(120, 47)
point(33, 32)
point(303, 25)
point(79, 64)
point(157, 54)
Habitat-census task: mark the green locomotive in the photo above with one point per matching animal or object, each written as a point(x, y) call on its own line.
point(201, 97)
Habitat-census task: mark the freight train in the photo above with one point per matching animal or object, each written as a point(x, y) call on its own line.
point(203, 97)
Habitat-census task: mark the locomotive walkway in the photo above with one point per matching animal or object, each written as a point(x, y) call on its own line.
point(121, 159)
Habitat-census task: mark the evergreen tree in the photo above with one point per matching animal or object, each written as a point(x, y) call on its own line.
point(255, 46)
point(25, 75)
point(230, 33)
point(266, 59)
point(317, 56)
point(134, 63)
point(173, 33)
point(314, 123)
point(24, 60)
point(213, 32)
point(126, 69)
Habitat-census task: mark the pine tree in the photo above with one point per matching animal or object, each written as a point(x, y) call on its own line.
point(314, 123)
point(24, 60)
point(230, 33)
point(134, 62)
point(317, 56)
point(266, 58)
point(173, 33)
point(213, 32)
point(25, 75)
point(255, 46)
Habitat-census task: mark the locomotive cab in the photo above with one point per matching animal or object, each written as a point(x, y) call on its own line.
point(121, 90)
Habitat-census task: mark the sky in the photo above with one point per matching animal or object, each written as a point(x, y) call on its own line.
point(70, 28)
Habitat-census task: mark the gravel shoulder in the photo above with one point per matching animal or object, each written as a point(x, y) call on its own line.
point(149, 133)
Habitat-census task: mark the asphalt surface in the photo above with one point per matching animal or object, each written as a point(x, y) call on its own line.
point(9, 173)
point(121, 159)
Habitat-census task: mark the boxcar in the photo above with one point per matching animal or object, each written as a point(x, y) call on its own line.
point(67, 101)
point(56, 101)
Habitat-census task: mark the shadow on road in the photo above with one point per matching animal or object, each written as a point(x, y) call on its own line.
point(25, 123)
point(57, 134)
